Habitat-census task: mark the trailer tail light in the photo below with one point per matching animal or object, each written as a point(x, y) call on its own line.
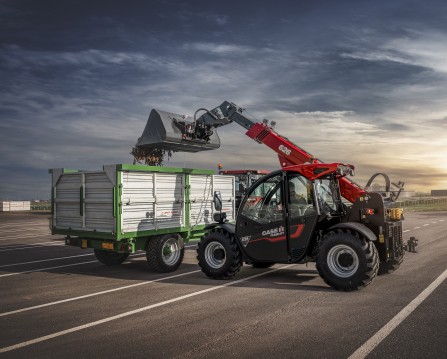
point(126, 247)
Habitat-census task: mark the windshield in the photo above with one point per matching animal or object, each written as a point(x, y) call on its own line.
point(327, 193)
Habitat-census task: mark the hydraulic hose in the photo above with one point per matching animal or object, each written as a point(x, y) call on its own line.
point(391, 195)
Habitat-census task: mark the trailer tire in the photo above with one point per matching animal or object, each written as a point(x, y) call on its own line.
point(390, 266)
point(110, 258)
point(219, 255)
point(346, 260)
point(165, 253)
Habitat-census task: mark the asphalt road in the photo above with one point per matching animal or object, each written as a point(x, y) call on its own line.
point(58, 301)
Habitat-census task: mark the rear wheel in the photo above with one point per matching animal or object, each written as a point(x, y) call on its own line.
point(110, 258)
point(218, 255)
point(165, 253)
point(347, 261)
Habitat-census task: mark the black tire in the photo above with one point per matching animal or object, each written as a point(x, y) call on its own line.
point(218, 254)
point(262, 264)
point(110, 258)
point(346, 261)
point(390, 266)
point(165, 253)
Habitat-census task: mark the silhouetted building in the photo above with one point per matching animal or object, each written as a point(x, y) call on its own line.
point(439, 192)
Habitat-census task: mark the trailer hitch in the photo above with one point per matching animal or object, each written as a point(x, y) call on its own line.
point(411, 244)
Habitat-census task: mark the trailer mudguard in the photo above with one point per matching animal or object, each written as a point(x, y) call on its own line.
point(358, 227)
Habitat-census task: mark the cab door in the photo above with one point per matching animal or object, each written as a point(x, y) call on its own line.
point(261, 222)
point(302, 214)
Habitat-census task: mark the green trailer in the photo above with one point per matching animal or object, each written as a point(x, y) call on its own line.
point(126, 208)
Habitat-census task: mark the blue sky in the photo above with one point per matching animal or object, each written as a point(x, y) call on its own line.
point(361, 82)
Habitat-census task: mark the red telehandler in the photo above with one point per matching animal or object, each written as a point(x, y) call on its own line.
point(301, 216)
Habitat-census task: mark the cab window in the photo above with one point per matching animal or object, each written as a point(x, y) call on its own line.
point(300, 199)
point(264, 203)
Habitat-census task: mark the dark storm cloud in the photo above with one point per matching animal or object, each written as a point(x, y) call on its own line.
point(396, 127)
point(79, 78)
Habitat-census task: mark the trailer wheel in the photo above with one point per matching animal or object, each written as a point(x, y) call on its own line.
point(218, 255)
point(390, 266)
point(165, 253)
point(110, 258)
point(347, 261)
point(262, 264)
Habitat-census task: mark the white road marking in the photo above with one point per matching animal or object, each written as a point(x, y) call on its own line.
point(22, 231)
point(44, 260)
point(377, 338)
point(24, 224)
point(24, 245)
point(27, 236)
point(26, 229)
point(48, 268)
point(426, 224)
point(56, 267)
point(406, 231)
point(94, 294)
point(139, 310)
point(32, 247)
point(416, 227)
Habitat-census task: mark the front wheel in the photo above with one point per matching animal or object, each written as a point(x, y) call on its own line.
point(218, 255)
point(347, 261)
point(110, 258)
point(165, 253)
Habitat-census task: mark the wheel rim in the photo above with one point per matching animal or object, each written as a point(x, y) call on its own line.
point(215, 255)
point(343, 261)
point(170, 251)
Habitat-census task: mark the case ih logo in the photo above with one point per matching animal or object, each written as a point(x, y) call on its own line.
point(274, 232)
point(284, 149)
point(245, 240)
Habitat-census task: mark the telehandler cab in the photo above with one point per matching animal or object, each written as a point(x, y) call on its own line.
point(301, 215)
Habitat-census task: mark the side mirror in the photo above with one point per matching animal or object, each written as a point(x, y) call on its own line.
point(217, 201)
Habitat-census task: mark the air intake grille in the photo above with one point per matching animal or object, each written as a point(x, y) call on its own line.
point(262, 135)
point(396, 240)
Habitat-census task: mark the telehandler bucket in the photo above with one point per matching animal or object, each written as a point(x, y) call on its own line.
point(171, 132)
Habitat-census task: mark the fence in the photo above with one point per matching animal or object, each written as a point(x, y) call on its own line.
point(40, 206)
point(420, 201)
